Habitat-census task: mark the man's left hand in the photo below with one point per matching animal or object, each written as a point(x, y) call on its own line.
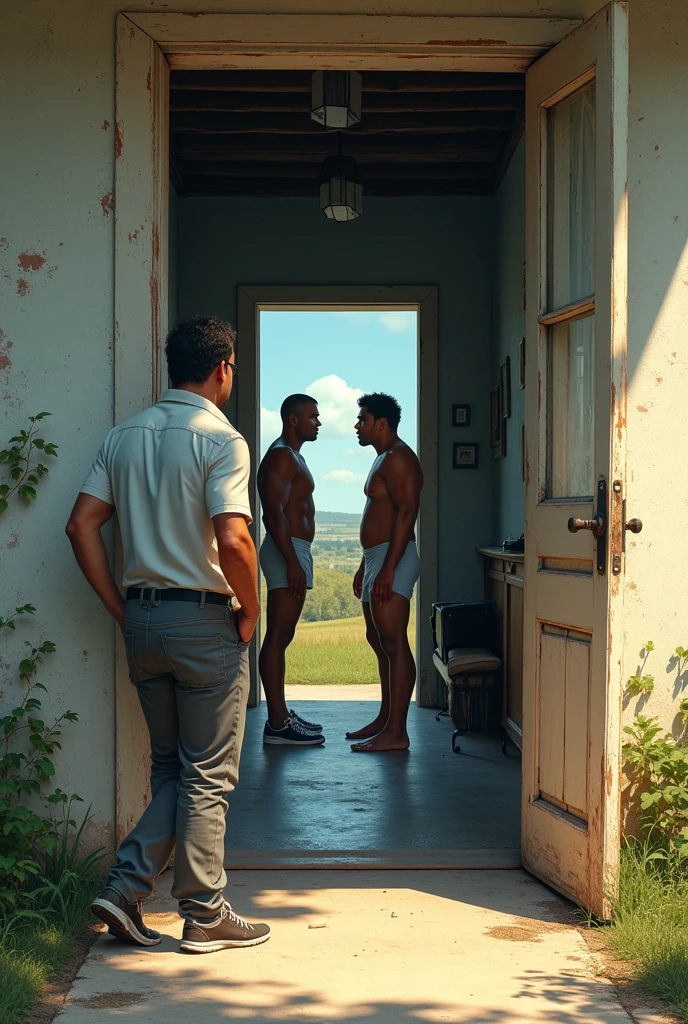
point(382, 587)
point(118, 613)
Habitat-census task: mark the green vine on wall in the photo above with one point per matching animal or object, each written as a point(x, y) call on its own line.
point(658, 764)
point(31, 840)
point(24, 472)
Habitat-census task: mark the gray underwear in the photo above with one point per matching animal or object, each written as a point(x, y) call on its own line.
point(274, 565)
point(405, 574)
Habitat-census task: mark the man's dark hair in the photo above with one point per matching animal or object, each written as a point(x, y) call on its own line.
point(294, 403)
point(196, 346)
point(382, 406)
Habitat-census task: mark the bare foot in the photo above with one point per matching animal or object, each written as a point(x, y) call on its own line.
point(368, 730)
point(383, 741)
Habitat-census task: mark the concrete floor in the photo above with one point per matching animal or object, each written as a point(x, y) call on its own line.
point(366, 947)
point(324, 805)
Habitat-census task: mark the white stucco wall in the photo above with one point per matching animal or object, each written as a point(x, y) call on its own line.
point(57, 71)
point(508, 329)
point(656, 595)
point(442, 242)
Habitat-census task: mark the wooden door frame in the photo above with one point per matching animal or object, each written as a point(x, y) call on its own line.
point(148, 44)
point(420, 298)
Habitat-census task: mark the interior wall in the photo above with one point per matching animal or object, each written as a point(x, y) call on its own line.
point(508, 330)
point(445, 242)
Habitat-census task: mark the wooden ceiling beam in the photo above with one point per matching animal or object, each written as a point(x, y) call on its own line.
point(256, 188)
point(474, 147)
point(373, 103)
point(309, 171)
point(442, 123)
point(373, 81)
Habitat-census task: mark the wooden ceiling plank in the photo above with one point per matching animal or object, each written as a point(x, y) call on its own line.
point(252, 188)
point(289, 172)
point(221, 123)
point(373, 103)
point(253, 81)
point(472, 147)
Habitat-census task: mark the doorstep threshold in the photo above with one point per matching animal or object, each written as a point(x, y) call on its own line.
point(445, 860)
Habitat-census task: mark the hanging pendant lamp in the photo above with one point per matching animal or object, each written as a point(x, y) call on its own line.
point(336, 98)
point(341, 190)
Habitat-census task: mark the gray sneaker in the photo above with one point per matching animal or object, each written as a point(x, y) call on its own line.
point(123, 919)
point(227, 933)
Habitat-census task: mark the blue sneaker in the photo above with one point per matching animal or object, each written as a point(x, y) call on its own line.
point(292, 734)
point(309, 726)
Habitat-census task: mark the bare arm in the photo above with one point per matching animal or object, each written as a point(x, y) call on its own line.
point(88, 517)
point(402, 474)
point(237, 555)
point(279, 471)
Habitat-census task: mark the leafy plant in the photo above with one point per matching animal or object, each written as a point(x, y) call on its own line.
point(8, 623)
point(27, 836)
point(659, 766)
point(24, 472)
point(640, 682)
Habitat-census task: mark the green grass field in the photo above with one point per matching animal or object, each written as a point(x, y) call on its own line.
point(335, 652)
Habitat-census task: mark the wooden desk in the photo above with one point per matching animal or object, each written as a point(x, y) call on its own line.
point(504, 586)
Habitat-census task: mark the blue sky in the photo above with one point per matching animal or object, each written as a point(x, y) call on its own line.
point(337, 356)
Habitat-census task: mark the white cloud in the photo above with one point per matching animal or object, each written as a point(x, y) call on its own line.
point(344, 476)
point(398, 322)
point(356, 317)
point(337, 405)
point(270, 425)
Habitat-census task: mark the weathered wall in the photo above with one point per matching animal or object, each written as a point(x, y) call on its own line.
point(656, 593)
point(57, 71)
point(443, 242)
point(508, 329)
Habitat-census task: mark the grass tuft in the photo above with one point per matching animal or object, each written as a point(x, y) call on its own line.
point(651, 923)
point(32, 954)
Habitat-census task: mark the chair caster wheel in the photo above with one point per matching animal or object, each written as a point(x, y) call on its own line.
point(455, 747)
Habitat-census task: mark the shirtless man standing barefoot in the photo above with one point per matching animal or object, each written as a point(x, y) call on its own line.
point(389, 569)
point(286, 490)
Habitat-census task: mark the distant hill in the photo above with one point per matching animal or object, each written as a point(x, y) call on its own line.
point(337, 518)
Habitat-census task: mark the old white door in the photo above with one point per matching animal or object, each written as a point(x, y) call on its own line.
point(576, 139)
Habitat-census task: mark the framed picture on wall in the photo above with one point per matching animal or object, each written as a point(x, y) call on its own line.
point(465, 456)
point(505, 381)
point(522, 363)
point(461, 415)
point(497, 424)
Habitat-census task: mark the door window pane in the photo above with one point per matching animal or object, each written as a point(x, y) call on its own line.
point(572, 198)
point(570, 409)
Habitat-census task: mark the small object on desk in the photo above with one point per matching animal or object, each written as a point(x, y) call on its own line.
point(514, 544)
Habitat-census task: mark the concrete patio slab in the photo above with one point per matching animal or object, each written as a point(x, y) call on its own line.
point(383, 947)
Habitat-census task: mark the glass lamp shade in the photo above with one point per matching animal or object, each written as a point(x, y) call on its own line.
point(341, 191)
point(336, 98)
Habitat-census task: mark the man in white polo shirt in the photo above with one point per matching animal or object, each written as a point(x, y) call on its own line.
point(177, 477)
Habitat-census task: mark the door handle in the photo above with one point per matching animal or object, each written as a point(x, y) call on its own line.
point(596, 525)
point(634, 525)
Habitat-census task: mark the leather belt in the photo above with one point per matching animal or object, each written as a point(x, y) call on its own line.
point(153, 594)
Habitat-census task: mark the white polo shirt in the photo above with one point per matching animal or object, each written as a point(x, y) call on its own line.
point(168, 471)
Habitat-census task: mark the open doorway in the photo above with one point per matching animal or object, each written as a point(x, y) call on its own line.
point(336, 356)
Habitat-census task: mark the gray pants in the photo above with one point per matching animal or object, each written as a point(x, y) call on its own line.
point(190, 670)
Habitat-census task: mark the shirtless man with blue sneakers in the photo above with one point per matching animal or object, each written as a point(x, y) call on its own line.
point(389, 569)
point(286, 490)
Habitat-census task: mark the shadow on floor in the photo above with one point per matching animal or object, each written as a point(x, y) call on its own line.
point(326, 798)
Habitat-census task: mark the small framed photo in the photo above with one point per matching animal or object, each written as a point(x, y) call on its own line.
point(461, 415)
point(505, 381)
point(465, 456)
point(522, 363)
